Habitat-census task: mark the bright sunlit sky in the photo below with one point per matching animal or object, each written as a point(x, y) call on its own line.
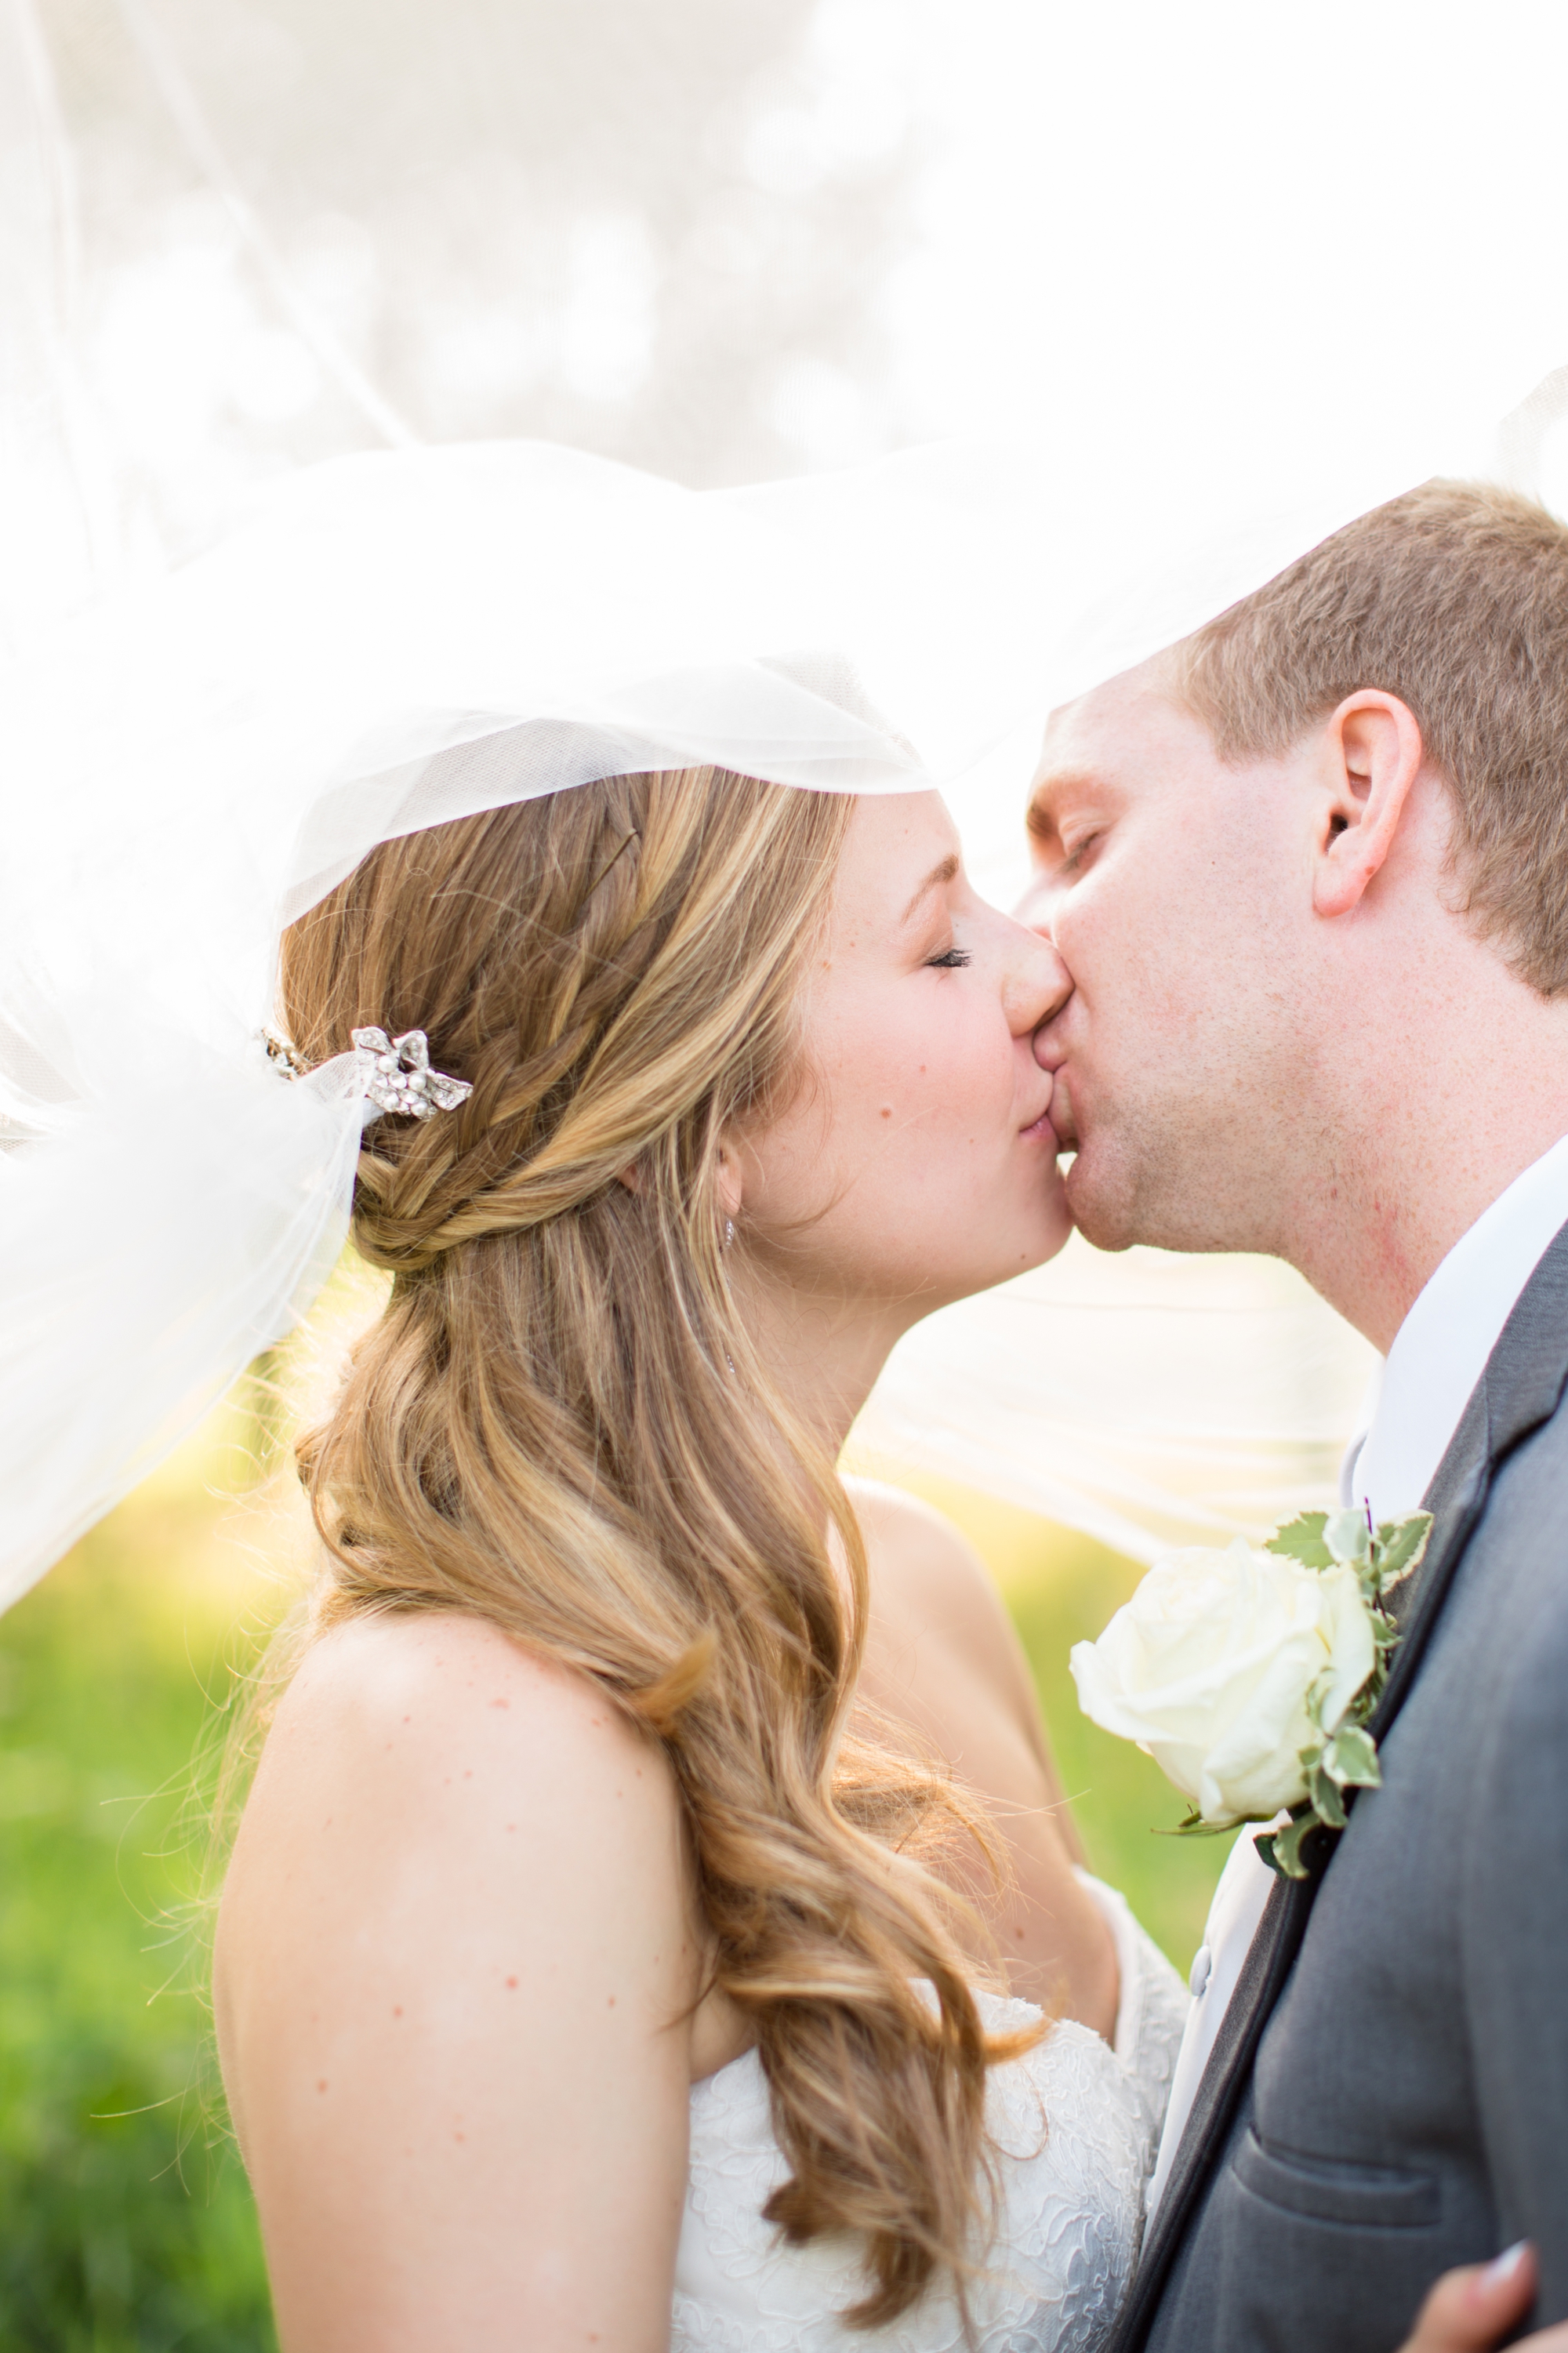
point(747, 236)
point(1231, 229)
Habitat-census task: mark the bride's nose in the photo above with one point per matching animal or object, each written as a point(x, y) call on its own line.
point(1037, 982)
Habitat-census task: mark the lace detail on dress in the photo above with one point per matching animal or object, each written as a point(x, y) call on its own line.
point(1077, 2124)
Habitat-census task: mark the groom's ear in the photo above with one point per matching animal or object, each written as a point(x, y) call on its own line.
point(1371, 754)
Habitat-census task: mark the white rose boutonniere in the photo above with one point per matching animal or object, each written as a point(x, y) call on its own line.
point(1249, 1675)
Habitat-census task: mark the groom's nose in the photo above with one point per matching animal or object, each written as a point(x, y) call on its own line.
point(1039, 985)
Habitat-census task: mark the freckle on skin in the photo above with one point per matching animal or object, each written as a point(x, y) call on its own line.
point(398, 2010)
point(611, 2003)
point(511, 1826)
point(886, 1111)
point(501, 1702)
point(511, 1984)
point(322, 2083)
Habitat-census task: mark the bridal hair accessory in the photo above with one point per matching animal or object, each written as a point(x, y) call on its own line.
point(1250, 1676)
point(398, 1077)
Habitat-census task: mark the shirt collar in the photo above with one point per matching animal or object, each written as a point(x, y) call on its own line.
point(1440, 1350)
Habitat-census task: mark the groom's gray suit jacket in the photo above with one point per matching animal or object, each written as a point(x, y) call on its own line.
point(1389, 2093)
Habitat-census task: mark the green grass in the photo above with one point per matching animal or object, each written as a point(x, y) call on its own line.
point(127, 2221)
point(122, 2227)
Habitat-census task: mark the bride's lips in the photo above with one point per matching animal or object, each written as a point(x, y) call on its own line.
point(1039, 1129)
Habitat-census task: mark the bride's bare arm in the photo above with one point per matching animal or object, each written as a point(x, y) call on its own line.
point(456, 1930)
point(942, 1657)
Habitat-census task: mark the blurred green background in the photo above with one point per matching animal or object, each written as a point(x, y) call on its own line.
point(128, 2222)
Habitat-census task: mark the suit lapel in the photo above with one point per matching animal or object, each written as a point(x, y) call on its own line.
point(1520, 1390)
point(1269, 1962)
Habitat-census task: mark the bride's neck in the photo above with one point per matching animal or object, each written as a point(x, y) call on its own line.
point(824, 1352)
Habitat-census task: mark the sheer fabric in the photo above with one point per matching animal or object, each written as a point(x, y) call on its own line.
point(193, 748)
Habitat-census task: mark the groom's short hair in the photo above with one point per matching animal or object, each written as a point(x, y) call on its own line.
point(1453, 597)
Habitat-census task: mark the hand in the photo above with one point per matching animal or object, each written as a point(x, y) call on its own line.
point(1472, 2309)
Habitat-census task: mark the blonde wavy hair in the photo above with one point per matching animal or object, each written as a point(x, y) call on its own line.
point(561, 1425)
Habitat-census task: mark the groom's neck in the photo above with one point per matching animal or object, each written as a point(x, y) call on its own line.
point(1449, 1095)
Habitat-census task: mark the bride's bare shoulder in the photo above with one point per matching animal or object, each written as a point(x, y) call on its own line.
point(440, 1722)
point(434, 1673)
point(937, 1621)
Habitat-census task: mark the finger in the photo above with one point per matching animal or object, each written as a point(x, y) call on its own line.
point(1471, 2308)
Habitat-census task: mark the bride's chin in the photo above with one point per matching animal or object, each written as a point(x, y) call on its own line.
point(1053, 1222)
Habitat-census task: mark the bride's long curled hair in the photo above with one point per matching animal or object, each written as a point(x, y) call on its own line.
point(560, 1423)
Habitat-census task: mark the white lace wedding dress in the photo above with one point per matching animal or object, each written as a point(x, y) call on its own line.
point(1078, 2123)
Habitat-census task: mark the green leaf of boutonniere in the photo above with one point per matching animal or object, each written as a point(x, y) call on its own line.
point(1402, 1546)
point(1351, 1759)
point(1303, 1539)
point(1326, 1800)
point(1281, 1849)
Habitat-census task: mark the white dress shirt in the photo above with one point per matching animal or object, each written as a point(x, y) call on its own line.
point(1440, 1353)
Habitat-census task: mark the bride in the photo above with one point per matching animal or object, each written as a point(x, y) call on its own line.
point(592, 1948)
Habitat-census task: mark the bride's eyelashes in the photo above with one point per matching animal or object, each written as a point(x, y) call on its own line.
point(950, 960)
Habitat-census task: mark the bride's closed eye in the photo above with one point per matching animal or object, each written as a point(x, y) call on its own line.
point(950, 960)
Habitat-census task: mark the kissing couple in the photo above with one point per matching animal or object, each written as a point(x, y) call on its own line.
point(655, 1921)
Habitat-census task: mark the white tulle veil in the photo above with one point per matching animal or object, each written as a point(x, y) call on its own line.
point(194, 751)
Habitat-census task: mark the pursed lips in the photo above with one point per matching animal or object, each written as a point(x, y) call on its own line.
point(1041, 1123)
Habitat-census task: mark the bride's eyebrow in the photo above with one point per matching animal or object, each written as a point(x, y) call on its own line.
point(934, 880)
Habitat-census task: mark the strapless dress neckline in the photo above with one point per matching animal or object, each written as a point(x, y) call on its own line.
point(1077, 2122)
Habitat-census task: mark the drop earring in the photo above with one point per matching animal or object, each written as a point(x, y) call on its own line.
point(729, 1232)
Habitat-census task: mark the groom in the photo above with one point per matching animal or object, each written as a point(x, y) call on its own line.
point(1309, 872)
